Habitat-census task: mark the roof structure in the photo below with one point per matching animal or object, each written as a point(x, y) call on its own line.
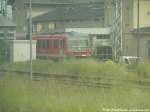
point(5, 22)
point(72, 13)
point(10, 1)
point(57, 1)
point(142, 30)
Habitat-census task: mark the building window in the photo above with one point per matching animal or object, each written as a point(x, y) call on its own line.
point(39, 28)
point(61, 44)
point(102, 37)
point(104, 52)
point(148, 13)
point(127, 17)
point(2, 35)
point(51, 26)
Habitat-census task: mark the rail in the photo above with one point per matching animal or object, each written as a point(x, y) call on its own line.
point(86, 81)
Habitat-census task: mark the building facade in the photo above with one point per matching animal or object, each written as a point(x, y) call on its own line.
point(20, 8)
point(135, 40)
point(89, 16)
point(130, 42)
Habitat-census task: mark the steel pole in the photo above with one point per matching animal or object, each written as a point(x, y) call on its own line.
point(30, 36)
point(138, 26)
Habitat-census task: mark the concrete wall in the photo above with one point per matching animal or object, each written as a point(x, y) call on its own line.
point(143, 46)
point(127, 15)
point(144, 13)
point(19, 15)
point(130, 45)
point(129, 49)
point(20, 50)
point(108, 13)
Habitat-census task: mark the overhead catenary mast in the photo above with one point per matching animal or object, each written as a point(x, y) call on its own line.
point(3, 7)
point(117, 29)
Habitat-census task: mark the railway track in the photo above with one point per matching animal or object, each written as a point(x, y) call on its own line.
point(87, 81)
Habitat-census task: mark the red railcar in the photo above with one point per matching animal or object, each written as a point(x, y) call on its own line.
point(79, 45)
point(51, 45)
point(59, 45)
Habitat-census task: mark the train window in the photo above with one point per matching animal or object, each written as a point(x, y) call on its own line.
point(61, 43)
point(73, 43)
point(83, 43)
point(47, 44)
point(50, 43)
point(55, 44)
point(78, 43)
point(39, 28)
point(44, 44)
point(39, 44)
point(102, 37)
point(1, 34)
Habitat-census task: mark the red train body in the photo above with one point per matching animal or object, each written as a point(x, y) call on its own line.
point(60, 45)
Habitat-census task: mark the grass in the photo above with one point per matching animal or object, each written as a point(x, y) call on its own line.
point(85, 68)
point(20, 95)
point(82, 67)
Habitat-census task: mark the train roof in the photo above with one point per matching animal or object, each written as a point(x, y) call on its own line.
point(45, 36)
point(63, 35)
point(77, 34)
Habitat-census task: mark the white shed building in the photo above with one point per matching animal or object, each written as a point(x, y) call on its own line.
point(20, 50)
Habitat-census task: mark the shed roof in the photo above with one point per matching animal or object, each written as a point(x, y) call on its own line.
point(142, 30)
point(72, 13)
point(10, 1)
point(5, 22)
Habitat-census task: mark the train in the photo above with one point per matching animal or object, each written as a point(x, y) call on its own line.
point(61, 45)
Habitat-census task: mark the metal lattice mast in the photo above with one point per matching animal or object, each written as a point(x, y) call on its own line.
point(3, 9)
point(117, 29)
